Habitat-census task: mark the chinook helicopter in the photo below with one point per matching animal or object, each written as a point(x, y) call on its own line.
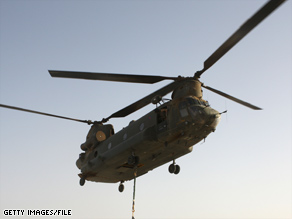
point(166, 133)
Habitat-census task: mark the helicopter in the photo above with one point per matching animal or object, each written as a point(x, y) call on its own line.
point(163, 135)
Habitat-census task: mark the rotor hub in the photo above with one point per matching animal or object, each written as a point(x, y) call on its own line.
point(190, 87)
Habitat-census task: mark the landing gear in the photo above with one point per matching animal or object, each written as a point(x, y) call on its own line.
point(121, 186)
point(177, 169)
point(171, 168)
point(82, 181)
point(174, 168)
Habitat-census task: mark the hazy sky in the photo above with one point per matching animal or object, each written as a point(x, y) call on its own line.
point(243, 170)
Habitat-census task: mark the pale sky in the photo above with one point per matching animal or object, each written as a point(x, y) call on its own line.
point(243, 170)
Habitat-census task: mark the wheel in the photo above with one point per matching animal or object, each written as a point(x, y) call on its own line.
point(171, 168)
point(177, 169)
point(121, 187)
point(82, 181)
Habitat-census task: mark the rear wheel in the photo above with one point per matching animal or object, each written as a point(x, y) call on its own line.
point(172, 168)
point(177, 169)
point(82, 181)
point(121, 187)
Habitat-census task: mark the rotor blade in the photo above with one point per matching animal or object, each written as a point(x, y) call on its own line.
point(143, 102)
point(45, 114)
point(232, 98)
point(260, 15)
point(146, 79)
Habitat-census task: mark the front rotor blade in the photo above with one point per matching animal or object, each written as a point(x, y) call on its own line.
point(146, 79)
point(143, 102)
point(260, 15)
point(232, 98)
point(45, 114)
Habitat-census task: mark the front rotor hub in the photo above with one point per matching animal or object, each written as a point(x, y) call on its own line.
point(188, 88)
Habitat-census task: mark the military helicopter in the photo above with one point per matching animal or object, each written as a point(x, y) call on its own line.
point(166, 133)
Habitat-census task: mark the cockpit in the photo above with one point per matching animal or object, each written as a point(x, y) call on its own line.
point(197, 110)
point(193, 104)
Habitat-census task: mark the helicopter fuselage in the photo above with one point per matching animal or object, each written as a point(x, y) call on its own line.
point(164, 134)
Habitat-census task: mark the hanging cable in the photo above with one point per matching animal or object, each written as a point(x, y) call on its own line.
point(134, 191)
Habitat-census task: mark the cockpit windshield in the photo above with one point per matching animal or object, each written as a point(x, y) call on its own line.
point(193, 101)
point(190, 106)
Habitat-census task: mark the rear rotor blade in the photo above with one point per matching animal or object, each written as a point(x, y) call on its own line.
point(45, 114)
point(260, 15)
point(143, 102)
point(146, 79)
point(232, 98)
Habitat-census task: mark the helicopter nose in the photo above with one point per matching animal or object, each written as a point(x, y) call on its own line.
point(214, 117)
point(216, 120)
